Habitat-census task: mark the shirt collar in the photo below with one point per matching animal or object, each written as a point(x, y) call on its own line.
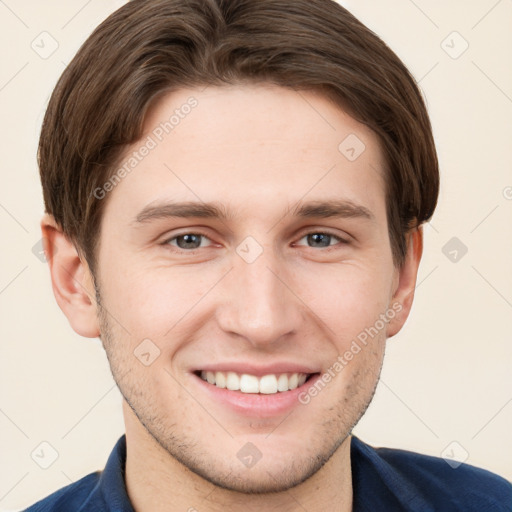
point(112, 482)
point(374, 482)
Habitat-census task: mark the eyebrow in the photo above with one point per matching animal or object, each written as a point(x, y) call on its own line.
point(335, 208)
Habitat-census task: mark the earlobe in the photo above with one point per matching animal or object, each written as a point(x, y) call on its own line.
point(72, 281)
point(403, 295)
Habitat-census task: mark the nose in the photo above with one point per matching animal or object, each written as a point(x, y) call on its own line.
point(258, 301)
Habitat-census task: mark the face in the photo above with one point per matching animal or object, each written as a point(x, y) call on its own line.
point(276, 285)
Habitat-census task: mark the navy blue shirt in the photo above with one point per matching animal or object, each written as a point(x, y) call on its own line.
point(383, 479)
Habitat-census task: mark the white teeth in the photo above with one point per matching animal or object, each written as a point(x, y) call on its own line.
point(233, 381)
point(282, 382)
point(249, 384)
point(267, 384)
point(220, 380)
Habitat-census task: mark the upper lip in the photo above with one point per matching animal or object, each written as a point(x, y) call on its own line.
point(257, 370)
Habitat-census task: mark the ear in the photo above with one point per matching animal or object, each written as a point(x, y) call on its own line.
point(404, 282)
point(72, 281)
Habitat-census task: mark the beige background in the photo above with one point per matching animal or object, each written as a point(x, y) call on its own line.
point(447, 376)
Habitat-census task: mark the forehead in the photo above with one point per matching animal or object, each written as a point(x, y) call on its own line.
point(253, 147)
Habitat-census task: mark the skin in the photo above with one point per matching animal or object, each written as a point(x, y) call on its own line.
point(259, 150)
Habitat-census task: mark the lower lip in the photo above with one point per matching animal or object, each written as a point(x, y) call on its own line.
point(256, 404)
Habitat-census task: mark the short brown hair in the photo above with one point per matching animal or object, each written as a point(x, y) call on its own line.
point(151, 46)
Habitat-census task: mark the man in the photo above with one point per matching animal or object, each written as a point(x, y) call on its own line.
point(235, 192)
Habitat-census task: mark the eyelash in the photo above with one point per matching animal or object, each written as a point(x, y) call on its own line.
point(192, 251)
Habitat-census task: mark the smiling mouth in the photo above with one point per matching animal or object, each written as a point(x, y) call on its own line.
point(251, 384)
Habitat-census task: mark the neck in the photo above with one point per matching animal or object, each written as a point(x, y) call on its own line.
point(157, 482)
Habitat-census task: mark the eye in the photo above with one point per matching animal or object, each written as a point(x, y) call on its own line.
point(321, 239)
point(186, 241)
point(189, 242)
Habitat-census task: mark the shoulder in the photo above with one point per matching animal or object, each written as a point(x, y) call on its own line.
point(72, 498)
point(465, 485)
point(431, 480)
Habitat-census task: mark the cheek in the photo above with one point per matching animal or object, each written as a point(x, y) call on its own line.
point(151, 301)
point(348, 297)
